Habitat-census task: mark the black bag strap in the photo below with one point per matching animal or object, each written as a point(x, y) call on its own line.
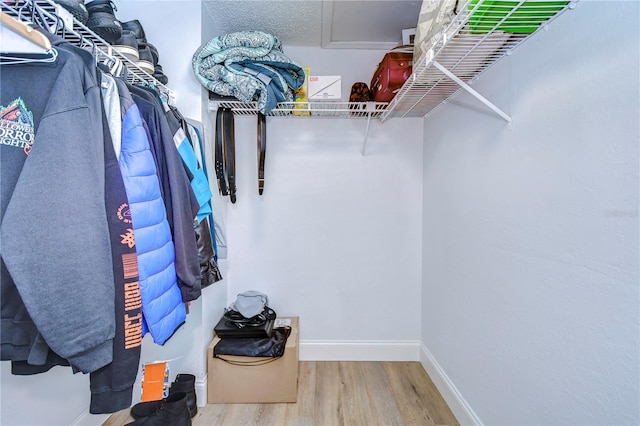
point(262, 147)
point(272, 348)
point(235, 318)
point(219, 156)
point(230, 152)
point(249, 362)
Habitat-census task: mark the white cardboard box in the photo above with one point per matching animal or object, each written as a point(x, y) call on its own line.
point(325, 87)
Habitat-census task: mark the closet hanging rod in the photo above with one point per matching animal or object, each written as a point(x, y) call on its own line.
point(62, 23)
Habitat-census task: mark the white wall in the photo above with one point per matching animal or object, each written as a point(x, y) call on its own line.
point(57, 397)
point(335, 239)
point(530, 254)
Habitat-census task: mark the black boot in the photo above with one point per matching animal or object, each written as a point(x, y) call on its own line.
point(159, 75)
point(76, 8)
point(184, 383)
point(146, 58)
point(136, 27)
point(172, 411)
point(127, 45)
point(187, 383)
point(102, 20)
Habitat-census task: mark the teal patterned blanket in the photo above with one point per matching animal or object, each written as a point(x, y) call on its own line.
point(250, 66)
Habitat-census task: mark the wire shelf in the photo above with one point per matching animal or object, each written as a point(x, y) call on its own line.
point(482, 32)
point(60, 22)
point(319, 109)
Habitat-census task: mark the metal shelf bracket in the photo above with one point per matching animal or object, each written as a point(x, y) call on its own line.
point(469, 89)
point(366, 135)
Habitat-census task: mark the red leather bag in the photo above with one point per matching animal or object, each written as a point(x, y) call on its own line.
point(392, 72)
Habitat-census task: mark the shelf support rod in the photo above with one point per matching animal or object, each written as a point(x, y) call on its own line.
point(366, 134)
point(468, 88)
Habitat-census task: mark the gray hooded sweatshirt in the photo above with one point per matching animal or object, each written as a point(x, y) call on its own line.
point(57, 277)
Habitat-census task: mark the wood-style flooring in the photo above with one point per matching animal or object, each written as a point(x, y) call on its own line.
point(339, 393)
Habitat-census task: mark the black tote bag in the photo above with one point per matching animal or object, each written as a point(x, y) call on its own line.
point(268, 349)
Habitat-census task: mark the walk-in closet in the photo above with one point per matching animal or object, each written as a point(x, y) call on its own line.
point(467, 253)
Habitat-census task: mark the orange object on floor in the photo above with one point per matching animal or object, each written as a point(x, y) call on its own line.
point(153, 381)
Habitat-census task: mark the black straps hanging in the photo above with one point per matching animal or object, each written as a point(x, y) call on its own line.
point(262, 147)
point(225, 164)
point(225, 152)
point(230, 152)
point(219, 157)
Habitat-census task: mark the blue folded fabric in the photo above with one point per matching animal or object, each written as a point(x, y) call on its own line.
point(272, 81)
point(250, 66)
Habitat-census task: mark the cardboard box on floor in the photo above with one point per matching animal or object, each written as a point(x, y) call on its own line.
point(275, 381)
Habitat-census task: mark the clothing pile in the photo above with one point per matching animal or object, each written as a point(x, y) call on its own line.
point(106, 220)
point(250, 66)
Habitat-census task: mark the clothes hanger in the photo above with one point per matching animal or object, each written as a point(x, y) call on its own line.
point(21, 44)
point(29, 11)
point(25, 31)
point(38, 17)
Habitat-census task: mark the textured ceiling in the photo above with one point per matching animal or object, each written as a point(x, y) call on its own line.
point(371, 24)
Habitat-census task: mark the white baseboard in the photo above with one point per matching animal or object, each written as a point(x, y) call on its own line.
point(201, 391)
point(331, 350)
point(456, 402)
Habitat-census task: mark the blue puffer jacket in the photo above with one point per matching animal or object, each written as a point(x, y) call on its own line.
point(162, 308)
